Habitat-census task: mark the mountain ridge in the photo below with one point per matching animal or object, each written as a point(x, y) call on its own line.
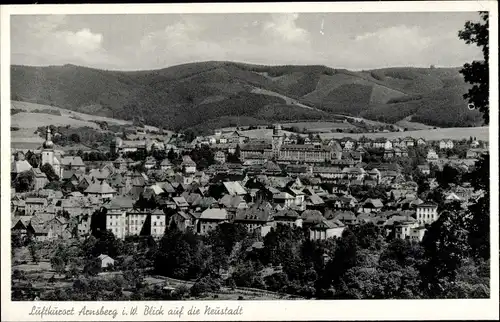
point(187, 95)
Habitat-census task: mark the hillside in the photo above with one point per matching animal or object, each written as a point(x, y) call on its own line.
point(217, 94)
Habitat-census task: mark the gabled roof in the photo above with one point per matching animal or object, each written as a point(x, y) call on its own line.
point(102, 257)
point(100, 187)
point(187, 161)
point(214, 214)
point(234, 188)
point(254, 214)
point(287, 213)
point(377, 203)
point(232, 201)
point(344, 215)
point(20, 166)
point(38, 173)
point(120, 203)
point(165, 162)
point(36, 200)
point(312, 216)
point(283, 195)
point(328, 224)
point(314, 199)
point(74, 161)
point(428, 204)
point(180, 201)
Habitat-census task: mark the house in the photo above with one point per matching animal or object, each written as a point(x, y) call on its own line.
point(432, 156)
point(365, 142)
point(158, 223)
point(403, 226)
point(40, 178)
point(284, 199)
point(371, 205)
point(426, 213)
point(180, 203)
point(408, 142)
point(165, 165)
point(101, 190)
point(396, 143)
point(234, 188)
point(58, 226)
point(233, 202)
point(424, 169)
point(74, 163)
point(349, 145)
point(210, 218)
point(388, 145)
point(183, 220)
point(326, 229)
point(346, 217)
point(421, 142)
point(19, 166)
point(20, 225)
point(446, 144)
point(298, 202)
point(254, 218)
point(106, 261)
point(379, 143)
point(475, 153)
point(188, 165)
point(150, 163)
point(314, 201)
point(288, 217)
point(33, 205)
point(311, 217)
point(220, 157)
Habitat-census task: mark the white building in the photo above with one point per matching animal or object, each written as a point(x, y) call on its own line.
point(427, 213)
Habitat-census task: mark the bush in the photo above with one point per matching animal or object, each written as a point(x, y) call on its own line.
point(204, 285)
point(180, 292)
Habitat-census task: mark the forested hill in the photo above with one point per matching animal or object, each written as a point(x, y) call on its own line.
point(225, 93)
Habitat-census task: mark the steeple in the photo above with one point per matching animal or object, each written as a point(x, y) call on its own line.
point(48, 144)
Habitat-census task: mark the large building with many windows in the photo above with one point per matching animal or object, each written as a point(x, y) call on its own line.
point(307, 153)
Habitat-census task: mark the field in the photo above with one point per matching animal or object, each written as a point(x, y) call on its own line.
point(67, 114)
point(320, 126)
point(30, 116)
point(481, 133)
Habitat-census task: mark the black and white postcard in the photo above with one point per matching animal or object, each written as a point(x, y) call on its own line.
point(272, 161)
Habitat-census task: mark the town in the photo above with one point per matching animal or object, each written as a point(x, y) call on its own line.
point(242, 197)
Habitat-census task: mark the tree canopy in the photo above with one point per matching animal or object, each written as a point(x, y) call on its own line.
point(477, 72)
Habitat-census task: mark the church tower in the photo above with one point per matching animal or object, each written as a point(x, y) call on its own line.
point(48, 149)
point(277, 140)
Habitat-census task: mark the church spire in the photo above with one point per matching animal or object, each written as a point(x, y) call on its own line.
point(48, 144)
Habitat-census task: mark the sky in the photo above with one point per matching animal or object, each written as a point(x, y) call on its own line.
point(353, 41)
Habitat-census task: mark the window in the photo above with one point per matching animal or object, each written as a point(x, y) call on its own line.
point(154, 224)
point(157, 217)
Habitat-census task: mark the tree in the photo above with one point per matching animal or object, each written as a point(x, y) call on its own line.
point(54, 185)
point(58, 264)
point(171, 154)
point(33, 249)
point(445, 249)
point(74, 138)
point(25, 181)
point(477, 72)
point(479, 223)
point(49, 172)
point(92, 267)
